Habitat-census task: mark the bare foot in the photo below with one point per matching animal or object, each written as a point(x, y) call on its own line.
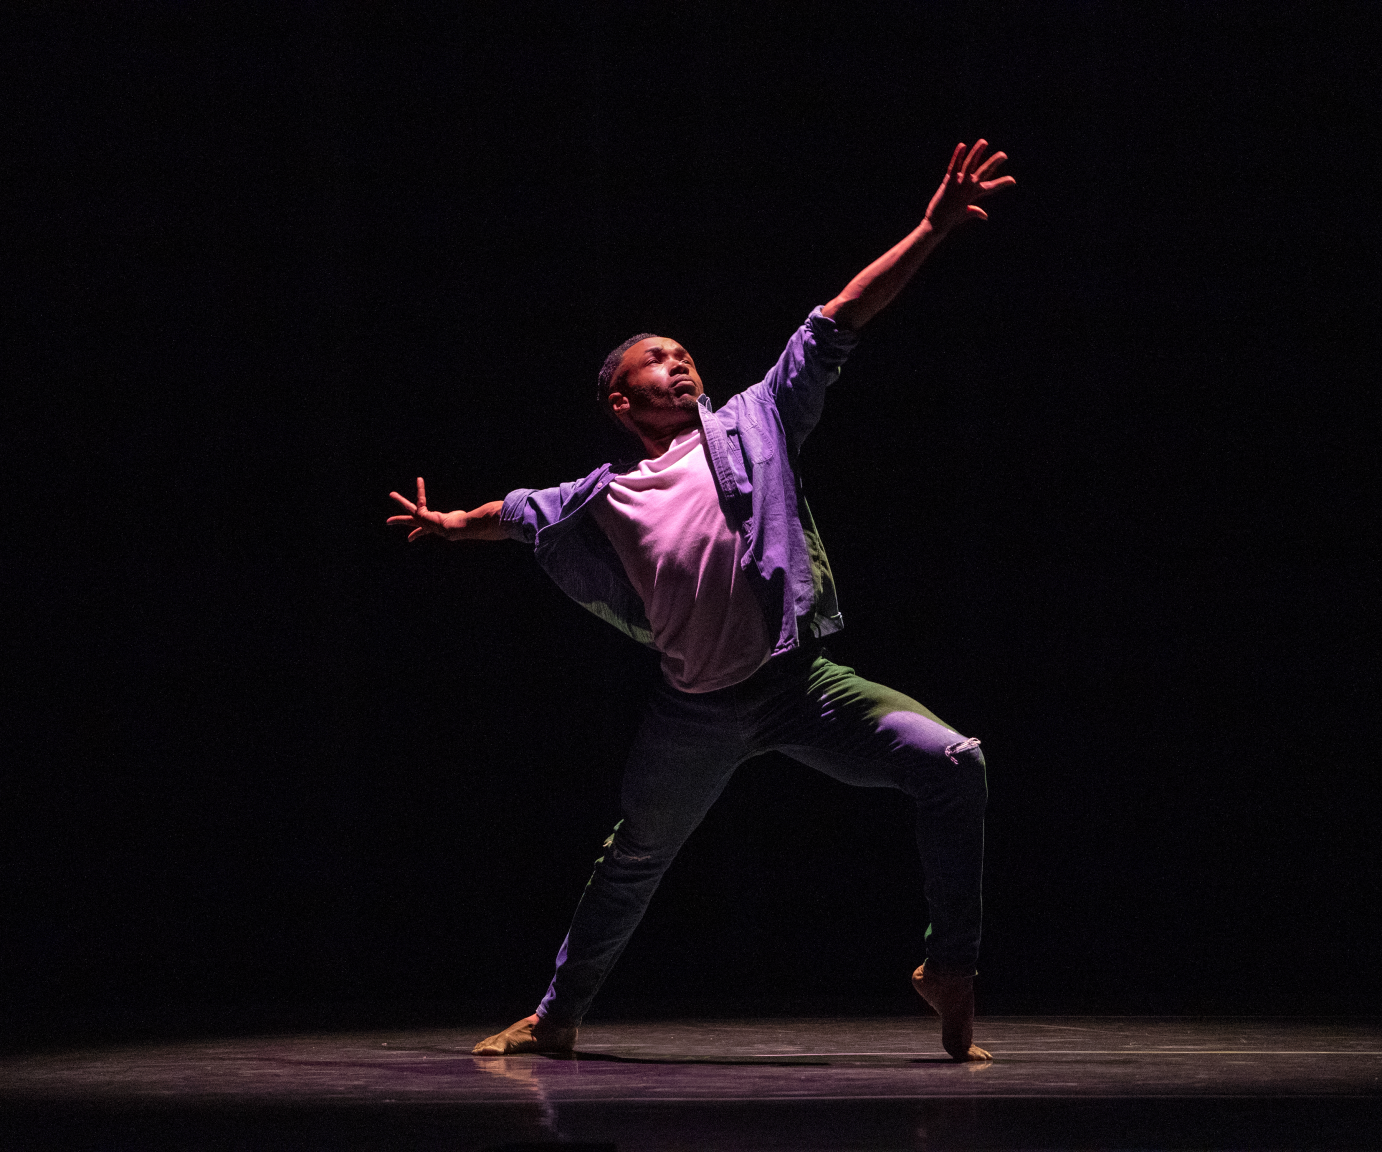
point(531, 1034)
point(952, 997)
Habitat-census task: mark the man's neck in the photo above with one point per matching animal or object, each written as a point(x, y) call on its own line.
point(656, 443)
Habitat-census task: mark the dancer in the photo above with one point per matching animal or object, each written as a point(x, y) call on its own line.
point(705, 551)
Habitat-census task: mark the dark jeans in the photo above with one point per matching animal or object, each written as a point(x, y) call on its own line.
point(816, 712)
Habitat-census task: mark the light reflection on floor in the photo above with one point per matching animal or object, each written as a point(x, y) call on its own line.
point(831, 1083)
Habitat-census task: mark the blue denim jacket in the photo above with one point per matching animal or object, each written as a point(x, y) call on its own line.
point(753, 443)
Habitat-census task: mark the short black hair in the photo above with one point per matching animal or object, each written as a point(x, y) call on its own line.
point(610, 368)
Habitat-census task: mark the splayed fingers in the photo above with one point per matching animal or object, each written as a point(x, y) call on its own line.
point(969, 177)
point(423, 521)
point(971, 159)
point(989, 168)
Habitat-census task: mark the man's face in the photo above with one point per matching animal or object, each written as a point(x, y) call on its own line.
point(656, 387)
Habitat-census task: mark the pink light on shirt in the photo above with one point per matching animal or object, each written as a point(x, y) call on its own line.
point(666, 524)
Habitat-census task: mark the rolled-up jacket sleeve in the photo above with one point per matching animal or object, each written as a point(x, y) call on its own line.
point(527, 511)
point(808, 365)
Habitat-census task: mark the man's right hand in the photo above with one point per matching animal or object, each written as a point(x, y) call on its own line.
point(481, 524)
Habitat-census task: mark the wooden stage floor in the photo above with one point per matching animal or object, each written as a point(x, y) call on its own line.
point(799, 1083)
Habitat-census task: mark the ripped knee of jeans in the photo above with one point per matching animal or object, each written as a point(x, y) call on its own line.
point(953, 750)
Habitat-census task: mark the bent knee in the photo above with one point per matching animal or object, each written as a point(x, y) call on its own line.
point(927, 738)
point(969, 771)
point(938, 757)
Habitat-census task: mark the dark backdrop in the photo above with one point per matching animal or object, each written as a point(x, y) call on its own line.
point(1094, 489)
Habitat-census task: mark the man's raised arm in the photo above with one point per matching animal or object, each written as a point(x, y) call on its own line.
point(481, 524)
point(966, 181)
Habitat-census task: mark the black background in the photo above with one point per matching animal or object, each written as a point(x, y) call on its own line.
point(1095, 489)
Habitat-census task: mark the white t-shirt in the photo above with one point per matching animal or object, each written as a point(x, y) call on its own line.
point(665, 522)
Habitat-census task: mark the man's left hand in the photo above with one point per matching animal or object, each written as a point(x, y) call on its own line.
point(966, 180)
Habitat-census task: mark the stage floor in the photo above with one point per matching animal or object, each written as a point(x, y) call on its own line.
point(838, 1083)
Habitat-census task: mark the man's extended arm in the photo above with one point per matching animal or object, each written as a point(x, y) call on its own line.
point(481, 524)
point(965, 182)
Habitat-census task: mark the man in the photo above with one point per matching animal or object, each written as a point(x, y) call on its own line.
point(705, 551)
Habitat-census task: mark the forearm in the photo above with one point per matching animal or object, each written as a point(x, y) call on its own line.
point(875, 287)
point(480, 524)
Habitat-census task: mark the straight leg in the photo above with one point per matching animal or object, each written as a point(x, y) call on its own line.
point(686, 750)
